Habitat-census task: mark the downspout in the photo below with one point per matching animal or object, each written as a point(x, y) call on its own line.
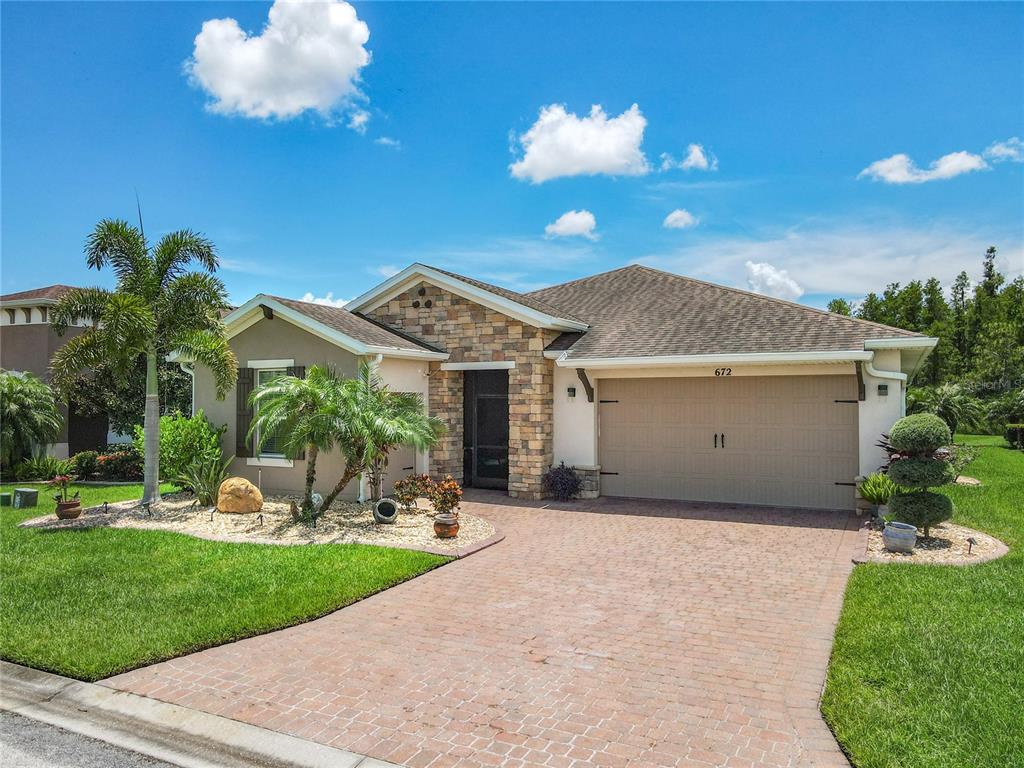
point(191, 371)
point(892, 376)
point(364, 480)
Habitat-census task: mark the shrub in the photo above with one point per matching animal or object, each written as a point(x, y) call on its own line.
point(960, 456)
point(1014, 435)
point(878, 488)
point(445, 495)
point(561, 482)
point(204, 476)
point(921, 473)
point(121, 461)
point(41, 468)
point(922, 509)
point(85, 464)
point(920, 435)
point(410, 488)
point(183, 440)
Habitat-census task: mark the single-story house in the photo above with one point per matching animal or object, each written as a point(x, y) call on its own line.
point(648, 383)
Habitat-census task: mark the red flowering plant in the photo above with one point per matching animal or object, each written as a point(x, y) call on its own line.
point(445, 496)
point(410, 488)
point(61, 482)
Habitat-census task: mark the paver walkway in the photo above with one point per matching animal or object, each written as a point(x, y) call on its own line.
point(609, 633)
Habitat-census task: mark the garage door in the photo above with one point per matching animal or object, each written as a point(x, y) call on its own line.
point(778, 440)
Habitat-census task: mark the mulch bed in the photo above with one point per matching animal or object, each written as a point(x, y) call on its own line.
point(947, 545)
point(344, 523)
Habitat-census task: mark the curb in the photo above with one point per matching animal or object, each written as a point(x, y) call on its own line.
point(168, 732)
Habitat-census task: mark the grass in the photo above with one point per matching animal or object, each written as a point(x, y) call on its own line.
point(89, 603)
point(927, 668)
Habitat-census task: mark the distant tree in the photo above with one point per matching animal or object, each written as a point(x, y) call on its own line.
point(951, 403)
point(840, 307)
point(960, 336)
point(871, 309)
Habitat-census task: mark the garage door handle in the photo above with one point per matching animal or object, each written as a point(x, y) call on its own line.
point(716, 439)
point(723, 439)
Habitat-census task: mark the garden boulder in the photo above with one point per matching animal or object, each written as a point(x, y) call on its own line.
point(238, 495)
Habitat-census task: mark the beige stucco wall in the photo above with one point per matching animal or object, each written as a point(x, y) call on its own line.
point(878, 413)
point(276, 339)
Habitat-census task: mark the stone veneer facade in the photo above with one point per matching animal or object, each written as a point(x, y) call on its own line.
point(470, 332)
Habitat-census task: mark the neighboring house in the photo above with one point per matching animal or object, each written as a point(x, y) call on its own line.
point(27, 343)
point(648, 383)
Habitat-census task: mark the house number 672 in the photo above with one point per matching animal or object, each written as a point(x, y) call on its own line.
point(723, 371)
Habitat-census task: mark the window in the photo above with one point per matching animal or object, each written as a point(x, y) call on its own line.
point(271, 446)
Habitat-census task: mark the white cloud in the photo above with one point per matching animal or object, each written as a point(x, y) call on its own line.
point(562, 144)
point(327, 301)
point(680, 218)
point(844, 259)
point(387, 141)
point(900, 169)
point(765, 279)
point(1011, 150)
point(307, 57)
point(697, 159)
point(358, 121)
point(386, 270)
point(573, 224)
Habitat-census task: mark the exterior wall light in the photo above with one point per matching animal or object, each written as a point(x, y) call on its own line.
point(883, 390)
point(572, 392)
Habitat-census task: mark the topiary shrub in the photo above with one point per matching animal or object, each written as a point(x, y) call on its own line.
point(922, 509)
point(562, 482)
point(920, 435)
point(921, 473)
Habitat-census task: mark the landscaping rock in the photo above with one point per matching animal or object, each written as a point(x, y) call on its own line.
point(238, 495)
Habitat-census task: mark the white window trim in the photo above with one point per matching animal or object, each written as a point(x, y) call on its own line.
point(269, 460)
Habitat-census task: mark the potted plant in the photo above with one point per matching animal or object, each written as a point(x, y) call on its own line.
point(877, 489)
point(445, 497)
point(385, 511)
point(562, 483)
point(67, 508)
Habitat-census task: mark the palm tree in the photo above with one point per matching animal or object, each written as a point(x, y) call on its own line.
point(304, 414)
point(156, 307)
point(374, 422)
point(29, 415)
point(950, 402)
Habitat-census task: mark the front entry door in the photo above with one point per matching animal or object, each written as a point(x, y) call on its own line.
point(485, 435)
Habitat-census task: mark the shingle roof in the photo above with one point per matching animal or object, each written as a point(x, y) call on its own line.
point(48, 293)
point(530, 300)
point(356, 326)
point(639, 311)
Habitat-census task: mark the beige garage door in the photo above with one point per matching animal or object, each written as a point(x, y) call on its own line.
point(778, 440)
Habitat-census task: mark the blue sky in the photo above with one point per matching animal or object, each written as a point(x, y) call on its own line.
point(259, 148)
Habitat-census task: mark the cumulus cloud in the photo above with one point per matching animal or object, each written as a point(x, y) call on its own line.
point(680, 218)
point(307, 58)
point(900, 169)
point(327, 301)
point(697, 159)
point(358, 121)
point(561, 143)
point(573, 224)
point(1011, 150)
point(387, 141)
point(765, 279)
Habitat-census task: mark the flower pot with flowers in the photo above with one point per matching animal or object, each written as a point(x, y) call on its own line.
point(445, 497)
point(68, 508)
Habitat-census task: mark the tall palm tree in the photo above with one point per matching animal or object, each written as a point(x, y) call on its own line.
point(950, 402)
point(157, 306)
point(29, 415)
point(374, 422)
point(304, 414)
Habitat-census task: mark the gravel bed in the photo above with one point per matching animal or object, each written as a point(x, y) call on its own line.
point(947, 545)
point(344, 523)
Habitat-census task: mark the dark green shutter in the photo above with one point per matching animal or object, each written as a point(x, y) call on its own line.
point(299, 372)
point(243, 412)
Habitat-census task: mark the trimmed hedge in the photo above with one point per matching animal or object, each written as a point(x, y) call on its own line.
point(921, 473)
point(922, 434)
point(922, 509)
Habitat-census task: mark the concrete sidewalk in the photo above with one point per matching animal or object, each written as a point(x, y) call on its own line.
point(168, 732)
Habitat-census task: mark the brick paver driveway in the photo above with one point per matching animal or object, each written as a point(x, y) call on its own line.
point(623, 633)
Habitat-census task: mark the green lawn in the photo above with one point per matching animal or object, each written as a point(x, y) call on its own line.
point(928, 664)
point(90, 603)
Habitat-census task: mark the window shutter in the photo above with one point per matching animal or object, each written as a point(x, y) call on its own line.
point(299, 372)
point(243, 412)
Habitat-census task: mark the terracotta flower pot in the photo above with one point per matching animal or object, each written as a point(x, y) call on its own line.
point(69, 510)
point(446, 526)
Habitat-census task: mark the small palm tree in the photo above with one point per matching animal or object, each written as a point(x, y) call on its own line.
point(950, 402)
point(29, 415)
point(374, 422)
point(156, 307)
point(304, 414)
